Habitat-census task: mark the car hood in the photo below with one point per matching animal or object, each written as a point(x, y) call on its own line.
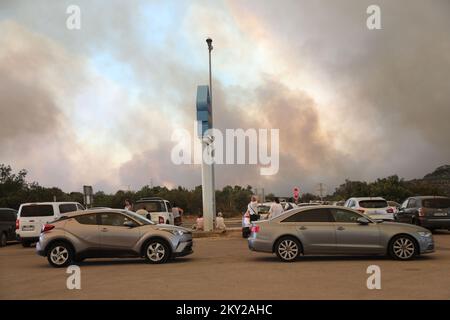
point(171, 227)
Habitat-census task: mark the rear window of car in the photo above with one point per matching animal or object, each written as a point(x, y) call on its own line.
point(154, 206)
point(38, 210)
point(436, 203)
point(67, 207)
point(7, 215)
point(263, 209)
point(313, 215)
point(371, 204)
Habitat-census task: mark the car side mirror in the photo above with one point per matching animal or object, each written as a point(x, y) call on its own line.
point(362, 220)
point(129, 224)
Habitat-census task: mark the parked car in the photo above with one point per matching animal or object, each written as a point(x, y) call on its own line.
point(394, 205)
point(32, 216)
point(155, 209)
point(426, 211)
point(337, 230)
point(110, 233)
point(7, 225)
point(373, 207)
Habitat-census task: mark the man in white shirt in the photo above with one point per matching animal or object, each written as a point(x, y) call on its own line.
point(275, 210)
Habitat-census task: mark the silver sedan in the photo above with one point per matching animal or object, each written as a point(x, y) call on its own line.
point(330, 230)
point(110, 233)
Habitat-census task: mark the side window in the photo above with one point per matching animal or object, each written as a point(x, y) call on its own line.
point(169, 207)
point(68, 207)
point(340, 215)
point(412, 203)
point(404, 204)
point(312, 215)
point(87, 219)
point(113, 219)
point(80, 207)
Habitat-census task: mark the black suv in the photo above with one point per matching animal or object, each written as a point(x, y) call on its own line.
point(8, 219)
point(427, 211)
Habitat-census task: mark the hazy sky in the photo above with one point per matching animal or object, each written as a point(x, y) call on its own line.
point(98, 105)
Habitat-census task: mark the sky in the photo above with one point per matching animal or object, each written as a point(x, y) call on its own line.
point(97, 106)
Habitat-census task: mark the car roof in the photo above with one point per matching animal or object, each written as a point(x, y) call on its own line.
point(88, 211)
point(368, 198)
point(429, 197)
point(50, 202)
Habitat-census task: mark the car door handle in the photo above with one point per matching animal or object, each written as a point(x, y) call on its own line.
point(303, 228)
point(104, 229)
point(340, 228)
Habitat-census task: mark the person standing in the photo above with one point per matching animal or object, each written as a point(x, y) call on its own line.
point(128, 205)
point(275, 210)
point(252, 209)
point(177, 213)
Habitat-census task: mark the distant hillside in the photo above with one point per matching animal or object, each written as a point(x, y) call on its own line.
point(441, 173)
point(438, 180)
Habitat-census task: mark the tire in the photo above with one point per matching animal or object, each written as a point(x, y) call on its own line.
point(60, 254)
point(403, 247)
point(149, 217)
point(288, 249)
point(26, 243)
point(3, 239)
point(167, 222)
point(156, 251)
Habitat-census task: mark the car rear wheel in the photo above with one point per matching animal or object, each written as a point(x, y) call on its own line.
point(3, 239)
point(157, 251)
point(60, 255)
point(403, 248)
point(287, 249)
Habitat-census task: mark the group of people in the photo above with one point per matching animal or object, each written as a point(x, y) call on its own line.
point(252, 214)
point(219, 223)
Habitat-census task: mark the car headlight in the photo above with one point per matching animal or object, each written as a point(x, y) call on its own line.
point(425, 234)
point(175, 232)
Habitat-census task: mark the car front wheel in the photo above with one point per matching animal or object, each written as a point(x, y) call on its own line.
point(60, 255)
point(287, 249)
point(403, 248)
point(157, 251)
point(3, 239)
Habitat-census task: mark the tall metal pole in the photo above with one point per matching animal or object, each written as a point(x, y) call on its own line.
point(210, 47)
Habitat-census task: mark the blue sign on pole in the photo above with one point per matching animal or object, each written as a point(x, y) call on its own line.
point(204, 110)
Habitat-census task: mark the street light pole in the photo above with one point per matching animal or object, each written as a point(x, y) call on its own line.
point(210, 47)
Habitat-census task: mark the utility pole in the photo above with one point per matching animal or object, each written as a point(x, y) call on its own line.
point(321, 190)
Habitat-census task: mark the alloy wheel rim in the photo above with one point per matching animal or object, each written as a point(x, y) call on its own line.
point(404, 248)
point(288, 249)
point(59, 255)
point(156, 251)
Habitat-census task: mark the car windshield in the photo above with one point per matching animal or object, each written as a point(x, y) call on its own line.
point(263, 209)
point(45, 210)
point(371, 204)
point(139, 218)
point(438, 203)
point(151, 206)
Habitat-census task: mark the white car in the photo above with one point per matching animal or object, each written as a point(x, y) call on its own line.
point(374, 207)
point(155, 209)
point(32, 216)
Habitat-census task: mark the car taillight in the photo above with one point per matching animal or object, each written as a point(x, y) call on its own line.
point(17, 224)
point(361, 210)
point(47, 227)
point(255, 229)
point(421, 212)
point(161, 220)
point(390, 210)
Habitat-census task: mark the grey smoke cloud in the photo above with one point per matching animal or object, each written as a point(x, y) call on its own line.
point(390, 90)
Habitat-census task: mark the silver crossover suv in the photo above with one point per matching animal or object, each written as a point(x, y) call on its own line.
point(337, 230)
point(110, 233)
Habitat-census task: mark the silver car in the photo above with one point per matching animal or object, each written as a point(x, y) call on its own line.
point(110, 233)
point(336, 230)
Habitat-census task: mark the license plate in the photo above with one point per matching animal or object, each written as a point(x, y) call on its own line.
point(28, 228)
point(440, 214)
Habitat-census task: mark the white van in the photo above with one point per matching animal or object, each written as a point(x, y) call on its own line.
point(32, 216)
